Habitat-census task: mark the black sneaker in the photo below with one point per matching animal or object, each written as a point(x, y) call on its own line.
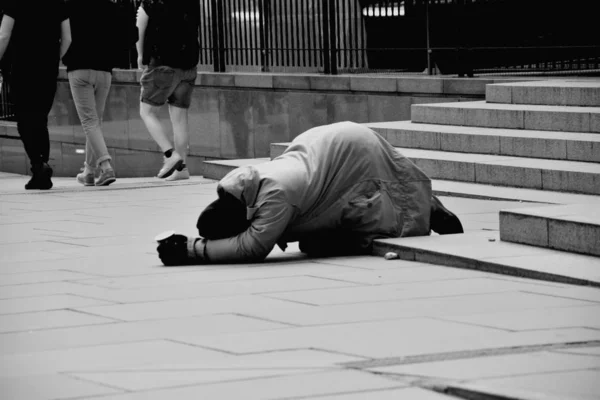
point(441, 220)
point(40, 177)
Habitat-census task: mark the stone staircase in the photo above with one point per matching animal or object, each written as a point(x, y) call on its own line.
point(529, 141)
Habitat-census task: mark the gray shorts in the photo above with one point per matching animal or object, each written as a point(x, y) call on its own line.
point(165, 84)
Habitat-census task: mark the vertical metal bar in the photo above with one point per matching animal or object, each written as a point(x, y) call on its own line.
point(280, 30)
point(215, 34)
point(343, 33)
point(285, 28)
point(363, 39)
point(243, 31)
point(294, 27)
point(274, 30)
point(356, 17)
point(221, 37)
point(332, 36)
point(325, 38)
point(262, 5)
point(302, 38)
point(227, 35)
point(312, 37)
point(251, 24)
point(239, 36)
point(429, 66)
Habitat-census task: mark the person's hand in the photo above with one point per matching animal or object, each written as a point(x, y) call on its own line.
point(173, 250)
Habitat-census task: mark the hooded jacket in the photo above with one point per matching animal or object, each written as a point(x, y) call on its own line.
point(342, 176)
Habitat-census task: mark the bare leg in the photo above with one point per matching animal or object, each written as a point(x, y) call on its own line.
point(179, 120)
point(150, 117)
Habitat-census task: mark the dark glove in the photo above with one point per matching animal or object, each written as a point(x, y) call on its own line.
point(174, 251)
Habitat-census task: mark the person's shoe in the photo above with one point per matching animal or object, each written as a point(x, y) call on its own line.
point(106, 178)
point(441, 220)
point(179, 175)
point(170, 165)
point(40, 177)
point(85, 179)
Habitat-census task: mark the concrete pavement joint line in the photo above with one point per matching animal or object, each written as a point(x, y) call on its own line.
point(595, 302)
point(72, 375)
point(56, 191)
point(286, 324)
point(467, 354)
point(336, 394)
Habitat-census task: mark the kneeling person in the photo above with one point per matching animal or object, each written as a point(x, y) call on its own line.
point(334, 190)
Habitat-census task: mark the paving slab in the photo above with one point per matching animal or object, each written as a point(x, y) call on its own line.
point(402, 308)
point(89, 303)
point(412, 290)
point(223, 369)
point(48, 387)
point(64, 338)
point(48, 320)
point(585, 317)
point(303, 385)
point(409, 337)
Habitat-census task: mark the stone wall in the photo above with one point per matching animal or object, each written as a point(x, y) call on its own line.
point(233, 115)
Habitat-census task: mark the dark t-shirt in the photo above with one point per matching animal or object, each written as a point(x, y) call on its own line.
point(103, 32)
point(171, 37)
point(35, 38)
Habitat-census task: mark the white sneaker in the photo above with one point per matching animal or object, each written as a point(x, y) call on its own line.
point(179, 175)
point(170, 165)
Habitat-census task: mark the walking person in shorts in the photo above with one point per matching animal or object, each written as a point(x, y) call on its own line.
point(168, 53)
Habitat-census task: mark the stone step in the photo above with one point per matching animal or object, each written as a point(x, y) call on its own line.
point(484, 251)
point(217, 169)
point(509, 116)
point(554, 93)
point(571, 146)
point(541, 174)
point(573, 227)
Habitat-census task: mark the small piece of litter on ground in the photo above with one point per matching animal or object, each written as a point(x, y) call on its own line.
point(391, 256)
point(491, 239)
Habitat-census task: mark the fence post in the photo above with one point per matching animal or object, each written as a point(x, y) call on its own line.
point(429, 66)
point(325, 36)
point(217, 35)
point(264, 7)
point(332, 36)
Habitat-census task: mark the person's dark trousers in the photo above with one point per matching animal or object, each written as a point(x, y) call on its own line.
point(33, 95)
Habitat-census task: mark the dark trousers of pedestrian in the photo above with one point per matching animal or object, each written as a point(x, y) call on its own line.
point(33, 95)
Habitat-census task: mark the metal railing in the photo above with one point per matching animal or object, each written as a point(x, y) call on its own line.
point(463, 37)
point(410, 36)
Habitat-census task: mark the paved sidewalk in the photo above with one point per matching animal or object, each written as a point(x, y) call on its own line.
point(87, 311)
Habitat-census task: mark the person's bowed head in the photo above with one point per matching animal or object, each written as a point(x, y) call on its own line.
point(223, 218)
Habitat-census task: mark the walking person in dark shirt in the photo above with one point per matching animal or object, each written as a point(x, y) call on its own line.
point(39, 35)
point(168, 52)
point(90, 61)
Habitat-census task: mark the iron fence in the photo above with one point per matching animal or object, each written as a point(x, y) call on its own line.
point(464, 37)
point(411, 36)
